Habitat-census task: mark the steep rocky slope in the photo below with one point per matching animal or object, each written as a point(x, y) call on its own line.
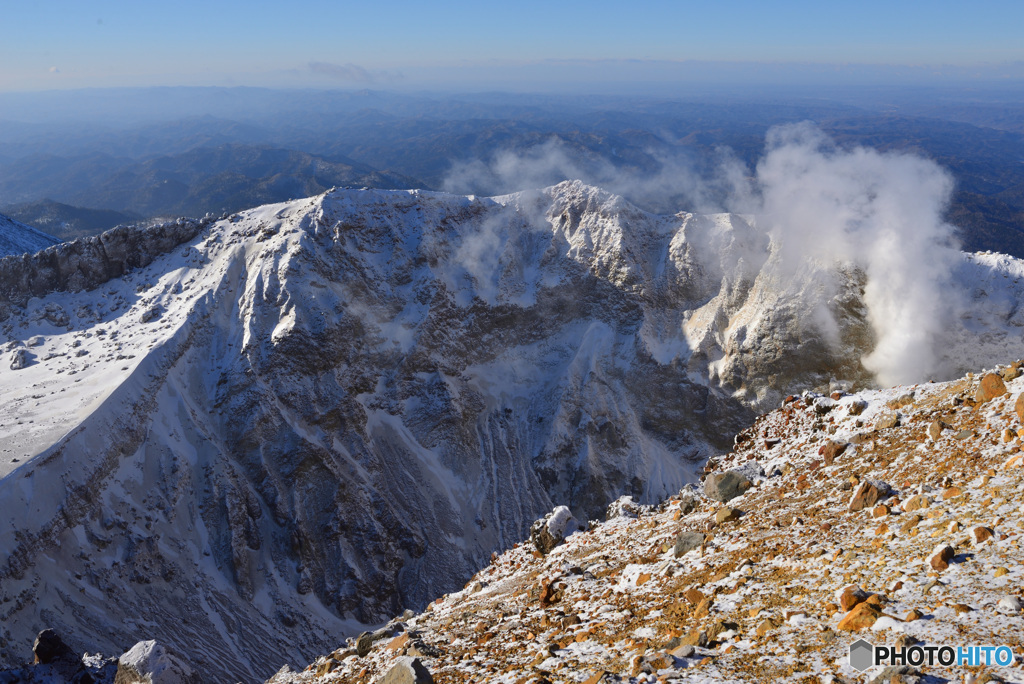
point(891, 516)
point(307, 417)
point(17, 238)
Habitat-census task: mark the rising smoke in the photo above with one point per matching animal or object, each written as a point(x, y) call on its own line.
point(882, 213)
point(672, 184)
point(879, 212)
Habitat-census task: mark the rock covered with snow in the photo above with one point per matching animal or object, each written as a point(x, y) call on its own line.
point(552, 529)
point(149, 662)
point(624, 506)
point(17, 238)
point(87, 262)
point(20, 357)
point(407, 670)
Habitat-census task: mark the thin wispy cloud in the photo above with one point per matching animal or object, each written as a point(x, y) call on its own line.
point(353, 73)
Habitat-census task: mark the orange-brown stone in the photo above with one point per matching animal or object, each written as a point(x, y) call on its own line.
point(860, 618)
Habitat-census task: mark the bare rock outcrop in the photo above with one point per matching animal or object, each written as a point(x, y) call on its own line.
point(88, 262)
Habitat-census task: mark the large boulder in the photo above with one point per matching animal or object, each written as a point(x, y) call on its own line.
point(868, 493)
point(407, 670)
point(552, 529)
point(54, 662)
point(686, 541)
point(149, 662)
point(990, 387)
point(20, 358)
point(50, 648)
point(726, 486)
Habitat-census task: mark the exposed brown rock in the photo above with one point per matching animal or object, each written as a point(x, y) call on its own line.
point(940, 558)
point(727, 514)
point(990, 387)
point(851, 597)
point(867, 494)
point(398, 643)
point(916, 502)
point(857, 407)
point(832, 450)
point(887, 421)
point(860, 618)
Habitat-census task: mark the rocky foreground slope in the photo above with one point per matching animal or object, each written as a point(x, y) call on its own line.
point(252, 435)
point(893, 516)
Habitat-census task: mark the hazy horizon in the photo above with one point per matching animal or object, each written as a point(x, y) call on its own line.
point(157, 110)
point(595, 46)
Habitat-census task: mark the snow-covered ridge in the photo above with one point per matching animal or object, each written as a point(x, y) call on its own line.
point(86, 263)
point(310, 416)
point(17, 238)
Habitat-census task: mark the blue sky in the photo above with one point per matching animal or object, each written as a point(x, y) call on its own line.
point(76, 43)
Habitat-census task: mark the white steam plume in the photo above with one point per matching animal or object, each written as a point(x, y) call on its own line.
point(553, 161)
point(883, 213)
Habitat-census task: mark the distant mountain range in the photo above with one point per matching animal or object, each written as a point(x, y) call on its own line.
point(172, 152)
point(205, 180)
point(66, 222)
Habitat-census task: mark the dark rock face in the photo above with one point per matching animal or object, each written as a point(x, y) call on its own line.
point(56, 663)
point(49, 648)
point(363, 644)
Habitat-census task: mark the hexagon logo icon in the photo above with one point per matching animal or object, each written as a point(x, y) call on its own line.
point(862, 655)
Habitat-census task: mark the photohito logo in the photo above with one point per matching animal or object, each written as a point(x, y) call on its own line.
point(864, 655)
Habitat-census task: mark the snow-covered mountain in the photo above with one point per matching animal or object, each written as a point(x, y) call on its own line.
point(249, 437)
point(17, 238)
